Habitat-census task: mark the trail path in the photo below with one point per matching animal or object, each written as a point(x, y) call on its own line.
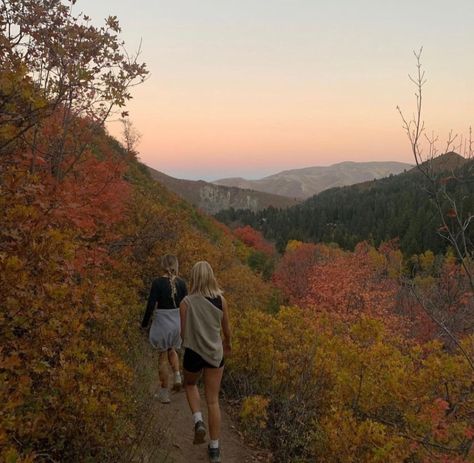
point(176, 437)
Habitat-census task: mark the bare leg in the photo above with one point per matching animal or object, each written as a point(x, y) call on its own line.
point(192, 391)
point(212, 385)
point(173, 360)
point(164, 371)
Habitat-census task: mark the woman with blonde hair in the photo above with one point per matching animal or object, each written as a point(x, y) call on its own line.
point(166, 294)
point(204, 314)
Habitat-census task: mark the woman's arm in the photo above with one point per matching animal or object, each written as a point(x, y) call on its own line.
point(152, 299)
point(182, 316)
point(226, 342)
point(185, 288)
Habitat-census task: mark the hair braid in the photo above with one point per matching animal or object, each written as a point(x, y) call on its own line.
point(169, 264)
point(174, 289)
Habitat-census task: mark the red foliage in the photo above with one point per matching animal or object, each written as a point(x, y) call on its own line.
point(345, 284)
point(445, 297)
point(292, 273)
point(95, 196)
point(351, 285)
point(254, 239)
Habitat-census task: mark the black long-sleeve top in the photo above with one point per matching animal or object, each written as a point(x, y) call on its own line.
point(161, 296)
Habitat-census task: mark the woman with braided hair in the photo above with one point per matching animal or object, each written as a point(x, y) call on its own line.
point(166, 294)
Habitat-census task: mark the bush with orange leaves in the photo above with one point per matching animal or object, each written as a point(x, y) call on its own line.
point(66, 307)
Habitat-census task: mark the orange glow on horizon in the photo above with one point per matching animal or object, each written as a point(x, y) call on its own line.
point(318, 84)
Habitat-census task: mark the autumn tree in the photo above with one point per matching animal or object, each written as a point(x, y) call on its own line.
point(63, 197)
point(455, 219)
point(262, 255)
point(56, 61)
point(254, 239)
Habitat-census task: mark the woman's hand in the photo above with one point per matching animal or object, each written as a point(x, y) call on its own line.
point(227, 348)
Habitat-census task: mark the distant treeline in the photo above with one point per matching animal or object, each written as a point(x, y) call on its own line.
point(394, 207)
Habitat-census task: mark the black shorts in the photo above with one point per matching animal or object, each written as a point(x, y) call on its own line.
point(194, 363)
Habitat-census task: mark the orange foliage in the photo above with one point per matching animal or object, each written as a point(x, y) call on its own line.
point(83, 228)
point(57, 322)
point(439, 291)
point(293, 271)
point(351, 286)
point(255, 240)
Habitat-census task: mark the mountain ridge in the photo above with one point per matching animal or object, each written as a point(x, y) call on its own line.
point(395, 207)
point(306, 181)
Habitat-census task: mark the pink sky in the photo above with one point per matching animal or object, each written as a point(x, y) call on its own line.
point(242, 89)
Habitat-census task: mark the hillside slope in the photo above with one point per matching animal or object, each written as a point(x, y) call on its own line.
point(303, 183)
point(214, 198)
point(379, 210)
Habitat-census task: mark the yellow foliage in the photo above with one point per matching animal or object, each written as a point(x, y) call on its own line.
point(426, 261)
point(352, 393)
point(292, 245)
point(254, 411)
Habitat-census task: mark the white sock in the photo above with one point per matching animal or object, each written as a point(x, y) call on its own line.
point(177, 376)
point(197, 417)
point(214, 444)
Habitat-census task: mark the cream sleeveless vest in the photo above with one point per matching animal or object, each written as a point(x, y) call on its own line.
point(202, 332)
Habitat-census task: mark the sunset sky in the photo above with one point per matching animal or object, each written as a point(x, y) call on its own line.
point(251, 87)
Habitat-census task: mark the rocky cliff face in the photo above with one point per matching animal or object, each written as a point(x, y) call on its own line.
point(214, 198)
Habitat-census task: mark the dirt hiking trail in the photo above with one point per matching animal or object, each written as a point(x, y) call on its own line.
point(176, 435)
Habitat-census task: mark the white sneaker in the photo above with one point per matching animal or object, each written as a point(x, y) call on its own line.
point(178, 382)
point(164, 396)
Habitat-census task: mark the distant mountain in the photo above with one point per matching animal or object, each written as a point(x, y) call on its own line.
point(306, 182)
point(394, 207)
point(214, 198)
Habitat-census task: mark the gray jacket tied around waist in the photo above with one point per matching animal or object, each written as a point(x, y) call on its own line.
point(164, 331)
